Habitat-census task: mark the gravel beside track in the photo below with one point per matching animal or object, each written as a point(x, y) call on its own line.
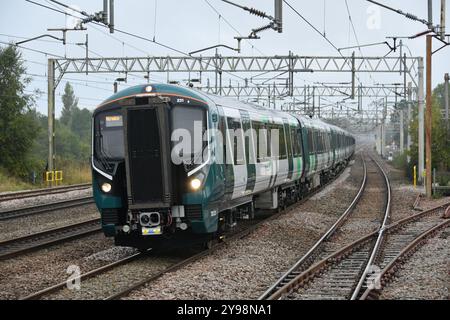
point(244, 269)
point(427, 203)
point(34, 271)
point(426, 273)
point(112, 281)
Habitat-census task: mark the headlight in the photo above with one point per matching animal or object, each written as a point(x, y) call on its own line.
point(106, 187)
point(196, 183)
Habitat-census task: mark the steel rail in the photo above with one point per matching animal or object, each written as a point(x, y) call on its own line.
point(335, 257)
point(291, 283)
point(322, 240)
point(388, 272)
point(44, 208)
point(84, 276)
point(380, 238)
point(39, 192)
point(13, 247)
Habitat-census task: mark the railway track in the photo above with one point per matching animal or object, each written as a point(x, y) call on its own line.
point(40, 192)
point(139, 258)
point(83, 277)
point(44, 208)
point(401, 240)
point(17, 246)
point(359, 270)
point(242, 232)
point(361, 217)
point(344, 265)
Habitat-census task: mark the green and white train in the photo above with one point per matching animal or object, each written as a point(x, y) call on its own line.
point(251, 159)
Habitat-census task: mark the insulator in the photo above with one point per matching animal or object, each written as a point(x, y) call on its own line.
point(411, 16)
point(257, 12)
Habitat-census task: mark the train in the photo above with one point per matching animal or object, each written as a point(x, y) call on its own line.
point(174, 165)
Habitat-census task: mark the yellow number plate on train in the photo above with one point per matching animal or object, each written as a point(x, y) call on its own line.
point(151, 231)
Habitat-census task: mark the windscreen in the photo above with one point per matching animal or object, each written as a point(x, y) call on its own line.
point(188, 128)
point(109, 136)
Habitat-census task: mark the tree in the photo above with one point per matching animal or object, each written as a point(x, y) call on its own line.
point(70, 103)
point(18, 126)
point(440, 146)
point(439, 92)
point(81, 124)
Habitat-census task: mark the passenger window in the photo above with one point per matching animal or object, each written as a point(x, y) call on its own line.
point(311, 141)
point(236, 138)
point(295, 138)
point(282, 148)
point(269, 127)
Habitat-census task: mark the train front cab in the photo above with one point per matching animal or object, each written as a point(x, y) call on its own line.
point(145, 191)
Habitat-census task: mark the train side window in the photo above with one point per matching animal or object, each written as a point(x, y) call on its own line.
point(237, 140)
point(262, 146)
point(299, 136)
point(319, 139)
point(311, 141)
point(329, 141)
point(223, 131)
point(256, 139)
point(269, 128)
point(248, 138)
point(282, 141)
point(288, 136)
point(296, 144)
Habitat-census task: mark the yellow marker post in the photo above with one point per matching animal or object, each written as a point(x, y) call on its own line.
point(58, 176)
point(50, 177)
point(415, 177)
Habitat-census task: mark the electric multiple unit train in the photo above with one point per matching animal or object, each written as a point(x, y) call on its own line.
point(151, 191)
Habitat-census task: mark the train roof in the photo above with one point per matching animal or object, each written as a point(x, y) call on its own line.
point(169, 89)
point(166, 89)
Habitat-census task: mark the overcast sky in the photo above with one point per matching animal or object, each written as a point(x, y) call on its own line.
point(193, 24)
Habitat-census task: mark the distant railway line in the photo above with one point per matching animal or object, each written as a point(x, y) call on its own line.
point(44, 208)
point(17, 246)
point(41, 192)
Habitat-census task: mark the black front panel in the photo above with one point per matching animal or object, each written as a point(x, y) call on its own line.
point(144, 152)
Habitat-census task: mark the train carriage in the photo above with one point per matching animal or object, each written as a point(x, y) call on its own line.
point(153, 187)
